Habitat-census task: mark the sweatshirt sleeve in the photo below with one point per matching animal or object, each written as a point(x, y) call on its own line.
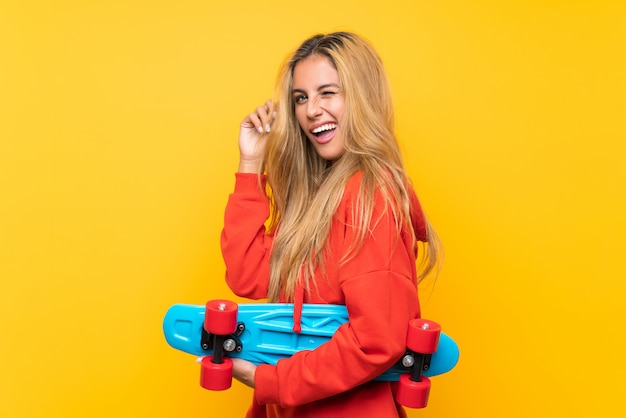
point(244, 237)
point(381, 297)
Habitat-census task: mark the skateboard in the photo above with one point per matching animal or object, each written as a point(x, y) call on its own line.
point(262, 333)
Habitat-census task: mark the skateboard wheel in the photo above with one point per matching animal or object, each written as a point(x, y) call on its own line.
point(423, 336)
point(214, 376)
point(220, 317)
point(413, 394)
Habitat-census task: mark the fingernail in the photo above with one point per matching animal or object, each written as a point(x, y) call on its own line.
point(267, 127)
point(260, 129)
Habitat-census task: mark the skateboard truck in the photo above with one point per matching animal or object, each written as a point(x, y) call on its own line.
point(222, 329)
point(230, 343)
point(413, 360)
point(422, 342)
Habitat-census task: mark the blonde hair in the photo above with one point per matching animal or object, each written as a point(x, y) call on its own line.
point(305, 190)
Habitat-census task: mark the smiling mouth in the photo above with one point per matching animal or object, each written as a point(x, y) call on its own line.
point(324, 129)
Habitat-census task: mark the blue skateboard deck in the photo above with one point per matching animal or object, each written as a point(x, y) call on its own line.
point(264, 335)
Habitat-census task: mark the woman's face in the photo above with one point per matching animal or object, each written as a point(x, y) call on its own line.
point(319, 105)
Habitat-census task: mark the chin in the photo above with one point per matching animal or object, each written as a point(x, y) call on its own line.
point(330, 155)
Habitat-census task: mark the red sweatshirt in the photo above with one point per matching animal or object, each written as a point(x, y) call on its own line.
point(378, 287)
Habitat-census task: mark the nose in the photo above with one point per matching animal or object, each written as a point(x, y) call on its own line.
point(313, 108)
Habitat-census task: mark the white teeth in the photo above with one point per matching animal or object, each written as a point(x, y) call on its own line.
point(323, 128)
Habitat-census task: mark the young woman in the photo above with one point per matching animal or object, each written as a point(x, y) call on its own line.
point(321, 168)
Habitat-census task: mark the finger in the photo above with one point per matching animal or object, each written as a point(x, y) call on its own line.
point(264, 115)
point(254, 121)
point(267, 114)
point(272, 107)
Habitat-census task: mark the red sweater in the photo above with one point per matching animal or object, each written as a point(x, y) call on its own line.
point(378, 287)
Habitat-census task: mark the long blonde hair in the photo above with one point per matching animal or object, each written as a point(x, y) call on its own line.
point(305, 190)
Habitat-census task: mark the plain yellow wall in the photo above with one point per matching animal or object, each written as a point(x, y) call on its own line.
point(118, 127)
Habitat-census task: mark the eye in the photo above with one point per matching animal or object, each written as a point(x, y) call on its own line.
point(300, 98)
point(328, 93)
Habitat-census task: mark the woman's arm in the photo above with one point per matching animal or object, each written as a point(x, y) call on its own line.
point(244, 241)
point(245, 244)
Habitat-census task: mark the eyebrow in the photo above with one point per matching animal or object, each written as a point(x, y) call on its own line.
point(322, 87)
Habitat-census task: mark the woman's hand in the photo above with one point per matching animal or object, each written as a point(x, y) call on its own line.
point(252, 136)
point(244, 371)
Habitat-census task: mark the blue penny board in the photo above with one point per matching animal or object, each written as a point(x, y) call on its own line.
point(269, 337)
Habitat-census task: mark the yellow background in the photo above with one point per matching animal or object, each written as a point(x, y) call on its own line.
point(118, 127)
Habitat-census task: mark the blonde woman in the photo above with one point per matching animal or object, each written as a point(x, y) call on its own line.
point(323, 212)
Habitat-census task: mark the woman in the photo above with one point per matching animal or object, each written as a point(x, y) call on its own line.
point(322, 164)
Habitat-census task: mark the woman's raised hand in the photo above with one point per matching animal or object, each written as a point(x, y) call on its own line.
point(252, 137)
